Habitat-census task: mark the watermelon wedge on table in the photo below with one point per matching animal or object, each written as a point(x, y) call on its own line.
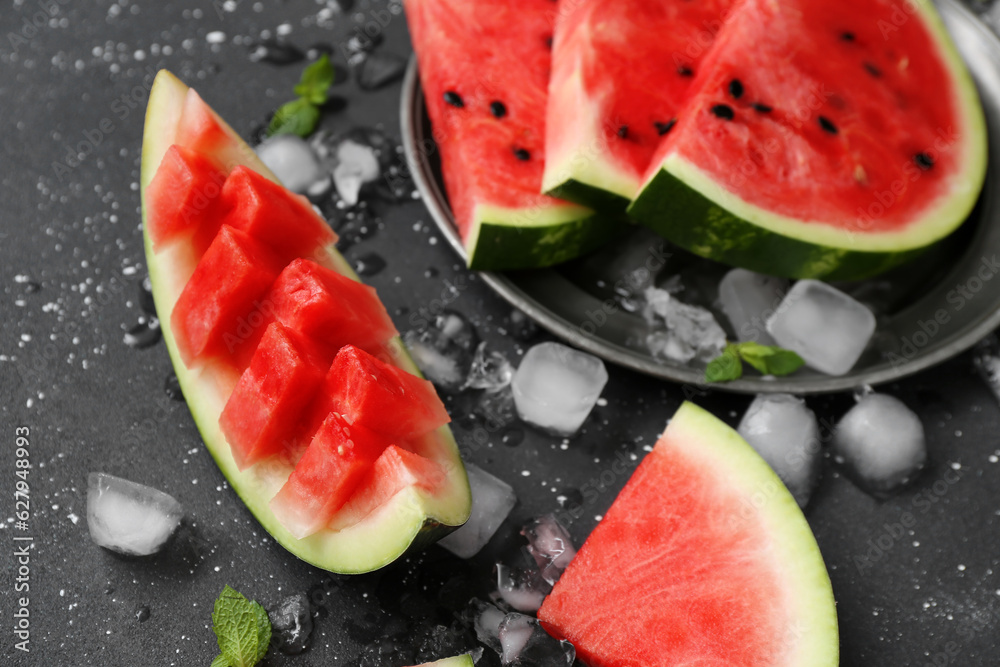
point(820, 139)
point(484, 67)
point(259, 305)
point(704, 558)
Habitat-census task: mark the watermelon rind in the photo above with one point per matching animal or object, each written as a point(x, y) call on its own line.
point(411, 520)
point(464, 660)
point(697, 212)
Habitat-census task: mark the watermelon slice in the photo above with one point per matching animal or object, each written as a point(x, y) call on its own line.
point(703, 559)
point(820, 139)
point(484, 67)
point(263, 391)
point(458, 661)
point(620, 74)
point(185, 191)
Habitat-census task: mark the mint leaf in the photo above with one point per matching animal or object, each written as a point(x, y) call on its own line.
point(241, 628)
point(314, 86)
point(296, 117)
point(770, 359)
point(725, 367)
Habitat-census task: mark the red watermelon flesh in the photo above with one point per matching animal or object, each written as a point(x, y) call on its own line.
point(611, 101)
point(271, 396)
point(202, 131)
point(185, 193)
point(703, 559)
point(213, 315)
point(337, 460)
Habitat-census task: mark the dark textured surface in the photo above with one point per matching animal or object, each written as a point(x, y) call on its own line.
point(71, 271)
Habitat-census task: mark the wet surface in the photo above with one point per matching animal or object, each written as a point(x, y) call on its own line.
point(71, 279)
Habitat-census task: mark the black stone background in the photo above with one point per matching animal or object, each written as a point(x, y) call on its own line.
point(71, 269)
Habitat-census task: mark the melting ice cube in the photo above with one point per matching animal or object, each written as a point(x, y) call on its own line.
point(292, 160)
point(129, 518)
point(521, 588)
point(356, 165)
point(748, 299)
point(526, 644)
point(492, 501)
point(292, 624)
point(490, 370)
point(486, 619)
point(826, 327)
point(555, 387)
point(881, 441)
point(690, 332)
point(444, 350)
point(550, 545)
point(786, 435)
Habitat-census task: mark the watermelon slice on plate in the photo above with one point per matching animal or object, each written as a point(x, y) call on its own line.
point(249, 337)
point(485, 73)
point(704, 558)
point(820, 139)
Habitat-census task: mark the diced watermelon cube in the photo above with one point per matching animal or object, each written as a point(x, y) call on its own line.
point(184, 193)
point(330, 307)
point(395, 469)
point(201, 130)
point(337, 461)
point(379, 396)
point(222, 311)
point(282, 220)
point(260, 417)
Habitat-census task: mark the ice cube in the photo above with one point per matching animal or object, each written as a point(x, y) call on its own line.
point(827, 328)
point(292, 624)
point(492, 501)
point(786, 435)
point(526, 644)
point(489, 370)
point(129, 518)
point(486, 619)
point(356, 165)
point(555, 387)
point(748, 299)
point(881, 442)
point(292, 160)
point(690, 332)
point(521, 588)
point(550, 545)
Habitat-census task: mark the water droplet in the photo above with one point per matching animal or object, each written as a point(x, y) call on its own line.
point(172, 388)
point(143, 614)
point(369, 265)
point(144, 334)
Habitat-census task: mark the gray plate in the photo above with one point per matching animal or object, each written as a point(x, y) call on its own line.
point(932, 310)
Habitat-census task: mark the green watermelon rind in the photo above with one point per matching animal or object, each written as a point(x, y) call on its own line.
point(464, 660)
point(690, 208)
point(410, 521)
point(808, 586)
point(581, 192)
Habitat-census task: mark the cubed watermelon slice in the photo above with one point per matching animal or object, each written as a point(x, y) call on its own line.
point(271, 396)
point(704, 558)
point(337, 461)
point(185, 192)
point(214, 315)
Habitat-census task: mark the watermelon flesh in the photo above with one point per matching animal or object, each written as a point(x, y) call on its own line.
point(185, 192)
point(815, 143)
point(484, 67)
point(703, 559)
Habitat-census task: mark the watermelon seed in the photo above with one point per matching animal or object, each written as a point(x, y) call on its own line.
point(454, 99)
point(522, 154)
point(663, 128)
point(761, 108)
point(847, 36)
point(924, 161)
point(548, 41)
point(874, 71)
point(684, 70)
point(736, 89)
point(623, 131)
point(827, 125)
point(498, 109)
point(723, 111)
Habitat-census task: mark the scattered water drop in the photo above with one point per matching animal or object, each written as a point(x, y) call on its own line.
point(369, 264)
point(143, 614)
point(144, 334)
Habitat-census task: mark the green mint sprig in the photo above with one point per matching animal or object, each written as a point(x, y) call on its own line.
point(242, 629)
point(768, 359)
point(301, 115)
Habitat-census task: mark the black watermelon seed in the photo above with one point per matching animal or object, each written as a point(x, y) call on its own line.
point(847, 36)
point(924, 161)
point(684, 70)
point(761, 108)
point(548, 41)
point(736, 89)
point(874, 71)
point(827, 125)
point(454, 99)
point(623, 131)
point(663, 128)
point(498, 109)
point(522, 154)
point(723, 111)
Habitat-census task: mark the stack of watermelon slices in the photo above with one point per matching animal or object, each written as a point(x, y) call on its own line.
point(800, 138)
point(292, 368)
